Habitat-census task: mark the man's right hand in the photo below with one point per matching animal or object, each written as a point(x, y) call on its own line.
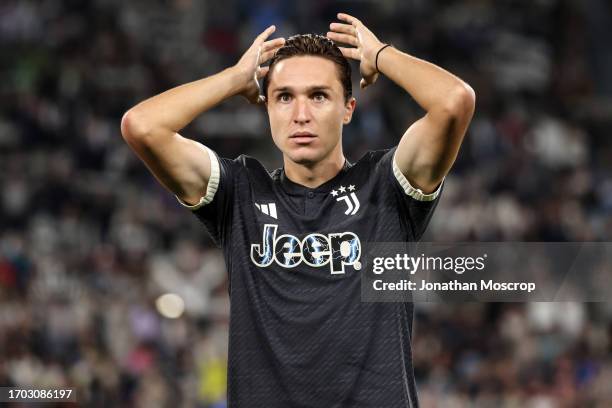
point(151, 128)
point(249, 65)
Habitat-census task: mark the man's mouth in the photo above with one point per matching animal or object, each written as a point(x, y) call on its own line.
point(302, 137)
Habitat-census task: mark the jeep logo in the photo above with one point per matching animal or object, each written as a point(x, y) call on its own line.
point(336, 249)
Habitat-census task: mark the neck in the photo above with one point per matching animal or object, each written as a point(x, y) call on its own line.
point(312, 175)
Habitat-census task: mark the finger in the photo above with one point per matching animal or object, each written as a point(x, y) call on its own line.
point(369, 80)
point(343, 38)
point(275, 43)
point(343, 28)
point(266, 56)
point(265, 34)
point(348, 18)
point(262, 72)
point(352, 53)
point(364, 83)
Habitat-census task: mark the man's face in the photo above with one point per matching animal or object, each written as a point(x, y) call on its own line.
point(307, 109)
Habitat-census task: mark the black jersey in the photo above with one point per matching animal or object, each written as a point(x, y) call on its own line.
point(299, 334)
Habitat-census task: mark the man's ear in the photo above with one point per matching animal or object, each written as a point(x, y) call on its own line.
point(349, 109)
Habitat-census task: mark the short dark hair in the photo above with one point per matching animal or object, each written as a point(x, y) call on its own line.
point(315, 45)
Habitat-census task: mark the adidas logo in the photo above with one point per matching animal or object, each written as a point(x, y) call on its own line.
point(268, 209)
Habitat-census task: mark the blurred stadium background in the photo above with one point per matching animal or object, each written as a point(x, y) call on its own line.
point(89, 242)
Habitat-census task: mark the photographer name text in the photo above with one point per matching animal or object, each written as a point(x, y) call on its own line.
point(454, 285)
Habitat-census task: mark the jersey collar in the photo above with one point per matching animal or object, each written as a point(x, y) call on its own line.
point(291, 187)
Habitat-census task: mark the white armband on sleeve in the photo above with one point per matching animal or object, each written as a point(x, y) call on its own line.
point(212, 186)
point(414, 192)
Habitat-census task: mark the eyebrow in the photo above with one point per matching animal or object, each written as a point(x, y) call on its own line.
point(309, 89)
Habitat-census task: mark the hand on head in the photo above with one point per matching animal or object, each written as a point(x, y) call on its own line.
point(364, 47)
point(364, 44)
point(249, 65)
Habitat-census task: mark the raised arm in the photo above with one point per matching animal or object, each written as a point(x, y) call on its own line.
point(429, 147)
point(151, 128)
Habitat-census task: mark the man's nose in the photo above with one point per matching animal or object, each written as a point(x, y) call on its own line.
point(302, 112)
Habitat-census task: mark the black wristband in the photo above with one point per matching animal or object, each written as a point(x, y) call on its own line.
point(381, 48)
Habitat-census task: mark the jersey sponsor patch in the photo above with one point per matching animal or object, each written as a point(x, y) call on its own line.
point(315, 249)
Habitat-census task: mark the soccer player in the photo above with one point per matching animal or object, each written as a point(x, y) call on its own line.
point(292, 238)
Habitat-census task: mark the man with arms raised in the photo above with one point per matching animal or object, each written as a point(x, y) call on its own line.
point(292, 239)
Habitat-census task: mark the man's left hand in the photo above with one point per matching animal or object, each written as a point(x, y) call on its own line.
point(354, 33)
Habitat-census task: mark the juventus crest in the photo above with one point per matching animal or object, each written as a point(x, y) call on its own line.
point(347, 194)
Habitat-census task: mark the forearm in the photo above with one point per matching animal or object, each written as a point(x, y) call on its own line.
point(432, 87)
point(174, 109)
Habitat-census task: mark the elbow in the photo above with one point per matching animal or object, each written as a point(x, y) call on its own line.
point(467, 98)
point(134, 127)
point(460, 102)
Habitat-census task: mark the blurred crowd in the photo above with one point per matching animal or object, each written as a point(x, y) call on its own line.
point(89, 241)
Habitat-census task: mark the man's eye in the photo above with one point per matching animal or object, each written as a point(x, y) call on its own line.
point(319, 97)
point(284, 97)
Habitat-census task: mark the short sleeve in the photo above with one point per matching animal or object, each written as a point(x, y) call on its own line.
point(415, 207)
point(214, 208)
point(413, 192)
point(212, 186)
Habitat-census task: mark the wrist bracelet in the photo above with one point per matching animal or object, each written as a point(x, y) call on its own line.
point(381, 48)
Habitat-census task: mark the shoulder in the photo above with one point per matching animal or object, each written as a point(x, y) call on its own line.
point(245, 163)
point(247, 169)
point(375, 157)
point(381, 166)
